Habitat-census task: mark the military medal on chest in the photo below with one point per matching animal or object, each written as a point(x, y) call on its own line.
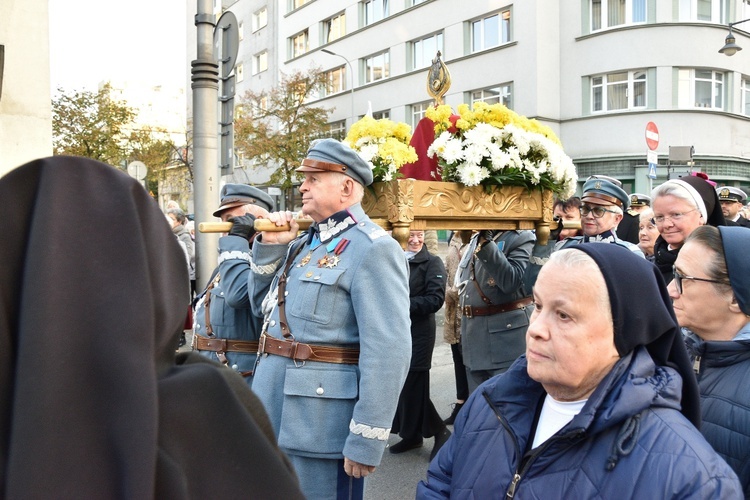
point(337, 246)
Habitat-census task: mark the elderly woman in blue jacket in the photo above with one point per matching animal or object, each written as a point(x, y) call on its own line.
point(602, 405)
point(711, 297)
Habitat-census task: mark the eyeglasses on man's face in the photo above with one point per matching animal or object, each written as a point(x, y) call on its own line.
point(678, 277)
point(675, 218)
point(597, 211)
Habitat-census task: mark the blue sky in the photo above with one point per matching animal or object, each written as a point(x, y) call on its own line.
point(134, 40)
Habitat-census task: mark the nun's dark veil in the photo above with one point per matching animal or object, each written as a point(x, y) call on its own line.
point(643, 316)
point(94, 402)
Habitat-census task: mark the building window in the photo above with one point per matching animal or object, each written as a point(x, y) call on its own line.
point(377, 67)
point(375, 10)
point(494, 95)
point(703, 10)
point(418, 110)
point(334, 28)
point(260, 62)
point(296, 4)
point(700, 88)
point(609, 13)
point(745, 14)
point(746, 96)
point(239, 71)
point(335, 81)
point(241, 29)
point(335, 130)
point(260, 19)
point(490, 31)
point(417, 2)
point(618, 91)
point(300, 44)
point(382, 115)
point(424, 51)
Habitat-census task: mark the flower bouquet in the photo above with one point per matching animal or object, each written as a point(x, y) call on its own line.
point(383, 144)
point(492, 145)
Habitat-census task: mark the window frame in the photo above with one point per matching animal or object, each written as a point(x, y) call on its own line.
point(689, 11)
point(418, 110)
point(258, 17)
point(499, 96)
point(688, 81)
point(328, 27)
point(304, 35)
point(635, 85)
point(604, 14)
point(329, 81)
point(504, 30)
point(370, 69)
point(745, 89)
point(439, 36)
point(258, 60)
point(374, 11)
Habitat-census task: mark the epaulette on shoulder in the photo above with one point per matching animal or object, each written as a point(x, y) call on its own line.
point(372, 230)
point(633, 213)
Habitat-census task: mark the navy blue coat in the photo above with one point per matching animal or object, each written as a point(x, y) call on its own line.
point(723, 372)
point(662, 455)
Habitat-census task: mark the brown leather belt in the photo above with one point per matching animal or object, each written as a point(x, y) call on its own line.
point(225, 345)
point(470, 311)
point(307, 352)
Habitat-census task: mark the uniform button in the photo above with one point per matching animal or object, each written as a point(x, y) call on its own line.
point(234, 367)
point(286, 292)
point(222, 293)
point(317, 277)
point(508, 325)
point(319, 391)
point(272, 323)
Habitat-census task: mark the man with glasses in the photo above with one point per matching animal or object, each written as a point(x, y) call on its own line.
point(603, 203)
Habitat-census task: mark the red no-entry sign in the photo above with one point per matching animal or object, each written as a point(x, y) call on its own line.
point(652, 136)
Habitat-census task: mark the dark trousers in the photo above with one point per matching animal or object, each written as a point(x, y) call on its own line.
point(462, 383)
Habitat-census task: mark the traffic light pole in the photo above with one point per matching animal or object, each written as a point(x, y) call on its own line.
point(205, 85)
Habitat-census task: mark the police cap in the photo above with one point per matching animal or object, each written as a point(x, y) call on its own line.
point(640, 200)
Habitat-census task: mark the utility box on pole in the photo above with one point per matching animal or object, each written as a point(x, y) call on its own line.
point(226, 46)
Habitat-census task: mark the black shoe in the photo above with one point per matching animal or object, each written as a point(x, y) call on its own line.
point(452, 418)
point(183, 340)
point(440, 439)
point(405, 445)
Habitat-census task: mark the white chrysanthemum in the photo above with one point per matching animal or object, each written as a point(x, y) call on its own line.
point(452, 151)
point(471, 175)
point(474, 153)
point(368, 151)
point(438, 145)
point(482, 133)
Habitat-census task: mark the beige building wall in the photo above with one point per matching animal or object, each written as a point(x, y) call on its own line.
point(25, 103)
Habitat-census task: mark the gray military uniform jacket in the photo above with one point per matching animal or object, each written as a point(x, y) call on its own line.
point(358, 299)
point(493, 342)
point(607, 237)
point(230, 313)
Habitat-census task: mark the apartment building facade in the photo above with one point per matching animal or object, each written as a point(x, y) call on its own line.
point(596, 71)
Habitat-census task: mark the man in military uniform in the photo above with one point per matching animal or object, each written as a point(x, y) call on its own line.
point(604, 201)
point(224, 327)
point(336, 344)
point(495, 308)
point(627, 230)
point(731, 199)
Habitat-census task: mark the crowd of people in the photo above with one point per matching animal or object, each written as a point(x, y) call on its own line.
point(607, 363)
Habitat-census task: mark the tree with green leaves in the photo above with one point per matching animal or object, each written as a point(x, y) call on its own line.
point(276, 126)
point(91, 124)
point(95, 125)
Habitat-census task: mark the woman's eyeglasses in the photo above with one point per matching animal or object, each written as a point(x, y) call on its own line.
point(675, 218)
point(678, 277)
point(597, 211)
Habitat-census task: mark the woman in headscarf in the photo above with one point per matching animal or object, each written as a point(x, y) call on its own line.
point(94, 401)
point(603, 404)
point(711, 296)
point(680, 206)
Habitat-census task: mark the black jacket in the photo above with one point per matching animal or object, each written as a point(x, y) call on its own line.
point(426, 297)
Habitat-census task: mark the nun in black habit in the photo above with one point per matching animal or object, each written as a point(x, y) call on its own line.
point(94, 401)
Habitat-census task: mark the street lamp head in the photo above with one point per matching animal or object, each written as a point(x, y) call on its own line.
point(730, 48)
point(328, 52)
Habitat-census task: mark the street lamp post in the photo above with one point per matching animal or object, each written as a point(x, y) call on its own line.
point(351, 72)
point(730, 48)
